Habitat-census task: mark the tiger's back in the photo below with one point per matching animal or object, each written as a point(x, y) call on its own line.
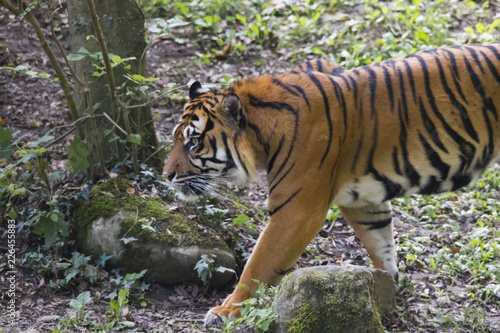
point(425, 123)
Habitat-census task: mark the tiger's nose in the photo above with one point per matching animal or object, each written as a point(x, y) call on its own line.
point(169, 176)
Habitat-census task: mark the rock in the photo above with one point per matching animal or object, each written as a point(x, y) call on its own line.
point(167, 244)
point(343, 299)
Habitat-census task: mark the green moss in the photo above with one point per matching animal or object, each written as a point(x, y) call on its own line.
point(324, 299)
point(171, 228)
point(306, 321)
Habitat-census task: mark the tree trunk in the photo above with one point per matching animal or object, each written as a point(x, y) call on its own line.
point(122, 24)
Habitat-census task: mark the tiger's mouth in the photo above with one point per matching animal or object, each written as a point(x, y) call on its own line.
point(191, 190)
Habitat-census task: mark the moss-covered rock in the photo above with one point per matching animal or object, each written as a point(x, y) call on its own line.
point(167, 243)
point(343, 299)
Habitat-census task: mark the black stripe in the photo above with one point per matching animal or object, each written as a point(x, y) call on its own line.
point(292, 144)
point(491, 67)
point(230, 160)
point(282, 177)
point(239, 156)
point(319, 64)
point(467, 149)
point(284, 86)
point(257, 103)
point(409, 170)
point(339, 94)
point(372, 81)
point(434, 158)
point(493, 50)
point(475, 57)
point(456, 74)
point(355, 87)
point(431, 187)
point(388, 85)
point(460, 180)
point(461, 109)
point(429, 126)
point(409, 72)
point(372, 225)
point(315, 80)
point(485, 159)
point(402, 92)
point(259, 135)
point(476, 82)
point(304, 96)
point(270, 164)
point(395, 161)
point(275, 210)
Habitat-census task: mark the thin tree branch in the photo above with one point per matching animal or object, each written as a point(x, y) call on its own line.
point(63, 53)
point(114, 123)
point(72, 125)
point(105, 57)
point(154, 99)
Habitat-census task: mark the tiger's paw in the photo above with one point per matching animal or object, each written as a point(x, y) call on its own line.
point(214, 315)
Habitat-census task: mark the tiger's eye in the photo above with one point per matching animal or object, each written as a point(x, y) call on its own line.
point(194, 141)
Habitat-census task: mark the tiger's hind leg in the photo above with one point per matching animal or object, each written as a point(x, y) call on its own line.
point(373, 225)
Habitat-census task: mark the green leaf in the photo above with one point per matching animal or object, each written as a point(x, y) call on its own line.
point(78, 152)
point(243, 19)
point(45, 138)
point(76, 57)
point(135, 276)
point(84, 297)
point(5, 135)
point(240, 220)
point(75, 305)
point(49, 229)
point(6, 148)
point(134, 138)
point(12, 214)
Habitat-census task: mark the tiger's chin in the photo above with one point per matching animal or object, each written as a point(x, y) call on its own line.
point(187, 197)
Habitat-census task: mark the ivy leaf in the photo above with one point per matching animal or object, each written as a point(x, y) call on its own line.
point(78, 152)
point(134, 138)
point(49, 225)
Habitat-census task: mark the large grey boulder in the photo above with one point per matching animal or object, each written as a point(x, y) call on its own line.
point(140, 233)
point(334, 299)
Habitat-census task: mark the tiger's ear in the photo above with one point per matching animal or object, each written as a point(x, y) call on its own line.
point(231, 106)
point(196, 90)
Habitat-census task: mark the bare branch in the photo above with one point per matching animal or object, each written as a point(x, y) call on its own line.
point(63, 53)
point(114, 123)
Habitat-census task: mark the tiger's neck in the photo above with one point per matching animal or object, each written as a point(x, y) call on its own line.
point(269, 119)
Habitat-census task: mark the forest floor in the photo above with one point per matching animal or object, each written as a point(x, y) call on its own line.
point(437, 294)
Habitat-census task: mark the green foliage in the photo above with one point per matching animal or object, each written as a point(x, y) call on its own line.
point(79, 303)
point(205, 268)
point(78, 153)
point(32, 74)
point(256, 312)
point(367, 32)
point(62, 271)
point(50, 225)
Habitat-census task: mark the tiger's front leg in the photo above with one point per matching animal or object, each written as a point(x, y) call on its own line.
point(278, 248)
point(373, 225)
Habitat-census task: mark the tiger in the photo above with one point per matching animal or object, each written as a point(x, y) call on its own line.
point(424, 123)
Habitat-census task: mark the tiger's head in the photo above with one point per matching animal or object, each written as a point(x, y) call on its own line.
point(210, 145)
